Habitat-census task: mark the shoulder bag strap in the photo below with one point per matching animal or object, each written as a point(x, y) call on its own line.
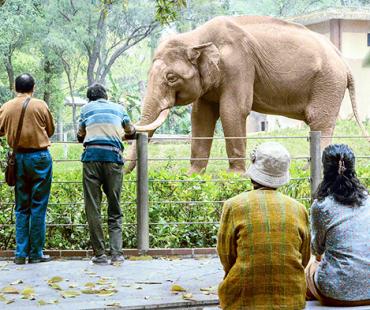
point(20, 124)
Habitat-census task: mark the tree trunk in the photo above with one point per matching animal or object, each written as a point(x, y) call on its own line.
point(47, 81)
point(10, 71)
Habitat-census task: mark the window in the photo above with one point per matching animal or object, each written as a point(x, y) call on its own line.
point(368, 39)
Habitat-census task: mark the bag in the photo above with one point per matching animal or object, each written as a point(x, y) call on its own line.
point(10, 173)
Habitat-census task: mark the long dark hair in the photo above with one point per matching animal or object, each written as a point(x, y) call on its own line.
point(340, 180)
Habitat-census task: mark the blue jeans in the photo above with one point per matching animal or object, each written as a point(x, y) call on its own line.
point(32, 190)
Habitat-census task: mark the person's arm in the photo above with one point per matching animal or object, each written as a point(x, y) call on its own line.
point(318, 230)
point(305, 250)
point(2, 129)
point(128, 127)
point(81, 133)
point(49, 123)
point(226, 239)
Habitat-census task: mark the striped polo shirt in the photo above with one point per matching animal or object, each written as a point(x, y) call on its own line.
point(103, 122)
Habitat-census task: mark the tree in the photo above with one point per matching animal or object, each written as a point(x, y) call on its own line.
point(17, 20)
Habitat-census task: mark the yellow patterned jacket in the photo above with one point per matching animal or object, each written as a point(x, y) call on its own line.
point(264, 245)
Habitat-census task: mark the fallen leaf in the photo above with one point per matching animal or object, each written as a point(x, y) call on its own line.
point(148, 282)
point(138, 287)
point(42, 302)
point(16, 282)
point(9, 301)
point(72, 285)
point(28, 293)
point(89, 284)
point(113, 304)
point(55, 286)
point(102, 282)
point(146, 297)
point(143, 257)
point(2, 298)
point(177, 288)
point(187, 296)
point(70, 294)
point(55, 279)
point(9, 290)
point(90, 272)
point(106, 292)
point(88, 291)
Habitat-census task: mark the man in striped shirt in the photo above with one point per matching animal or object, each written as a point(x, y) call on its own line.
point(102, 126)
point(263, 240)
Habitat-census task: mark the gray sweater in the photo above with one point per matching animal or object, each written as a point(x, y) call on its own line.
point(342, 234)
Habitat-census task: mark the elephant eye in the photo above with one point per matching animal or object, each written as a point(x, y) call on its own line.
point(172, 78)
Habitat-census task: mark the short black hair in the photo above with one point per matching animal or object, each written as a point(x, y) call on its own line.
point(24, 83)
point(96, 91)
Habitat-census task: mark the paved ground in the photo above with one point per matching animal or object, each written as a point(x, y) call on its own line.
point(141, 284)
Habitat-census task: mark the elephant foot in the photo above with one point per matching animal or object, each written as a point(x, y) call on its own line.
point(240, 171)
point(196, 170)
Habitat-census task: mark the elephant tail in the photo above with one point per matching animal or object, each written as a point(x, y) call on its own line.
point(352, 95)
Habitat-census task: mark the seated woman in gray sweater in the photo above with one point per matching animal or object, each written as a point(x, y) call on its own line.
point(340, 230)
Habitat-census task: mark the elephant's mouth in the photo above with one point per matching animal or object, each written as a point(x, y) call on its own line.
point(155, 124)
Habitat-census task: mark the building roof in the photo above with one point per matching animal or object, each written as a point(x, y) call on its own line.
point(349, 13)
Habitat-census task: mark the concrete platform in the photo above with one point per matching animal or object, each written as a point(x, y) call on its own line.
point(135, 284)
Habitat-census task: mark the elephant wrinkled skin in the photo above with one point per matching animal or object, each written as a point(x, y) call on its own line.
point(231, 66)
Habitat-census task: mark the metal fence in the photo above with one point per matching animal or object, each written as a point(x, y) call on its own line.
point(142, 180)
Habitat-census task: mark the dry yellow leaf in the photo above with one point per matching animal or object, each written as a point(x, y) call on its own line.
point(177, 288)
point(9, 290)
point(89, 284)
point(143, 257)
point(55, 286)
point(88, 291)
point(70, 294)
point(187, 296)
point(2, 298)
point(28, 293)
point(55, 279)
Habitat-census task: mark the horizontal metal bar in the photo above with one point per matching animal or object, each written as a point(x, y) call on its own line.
point(211, 180)
point(66, 203)
point(228, 138)
point(124, 224)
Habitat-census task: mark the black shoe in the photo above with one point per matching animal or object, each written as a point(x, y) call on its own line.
point(100, 259)
point(117, 258)
point(19, 260)
point(42, 259)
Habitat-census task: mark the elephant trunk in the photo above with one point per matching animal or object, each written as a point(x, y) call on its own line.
point(149, 123)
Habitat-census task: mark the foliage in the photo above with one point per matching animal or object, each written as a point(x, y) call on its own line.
point(187, 200)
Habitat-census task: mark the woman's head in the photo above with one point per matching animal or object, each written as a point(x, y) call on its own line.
point(340, 178)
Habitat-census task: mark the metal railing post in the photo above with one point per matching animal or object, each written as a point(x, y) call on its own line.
point(315, 160)
point(142, 214)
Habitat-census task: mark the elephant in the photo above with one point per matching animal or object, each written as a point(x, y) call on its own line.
point(232, 65)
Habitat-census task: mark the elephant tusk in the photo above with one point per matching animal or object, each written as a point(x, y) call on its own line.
point(154, 125)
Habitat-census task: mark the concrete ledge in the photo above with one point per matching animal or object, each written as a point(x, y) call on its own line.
point(189, 252)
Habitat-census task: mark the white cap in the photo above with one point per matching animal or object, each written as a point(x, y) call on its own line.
point(270, 165)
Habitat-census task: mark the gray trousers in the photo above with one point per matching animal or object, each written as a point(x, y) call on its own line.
point(106, 176)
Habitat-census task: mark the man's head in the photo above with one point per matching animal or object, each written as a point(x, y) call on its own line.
point(96, 92)
point(24, 83)
point(270, 165)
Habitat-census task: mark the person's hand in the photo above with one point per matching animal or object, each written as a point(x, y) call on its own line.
point(132, 136)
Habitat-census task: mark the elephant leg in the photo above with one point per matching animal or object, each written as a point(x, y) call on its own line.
point(323, 110)
point(203, 121)
point(234, 123)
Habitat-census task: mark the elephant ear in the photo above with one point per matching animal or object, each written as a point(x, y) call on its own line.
point(206, 57)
